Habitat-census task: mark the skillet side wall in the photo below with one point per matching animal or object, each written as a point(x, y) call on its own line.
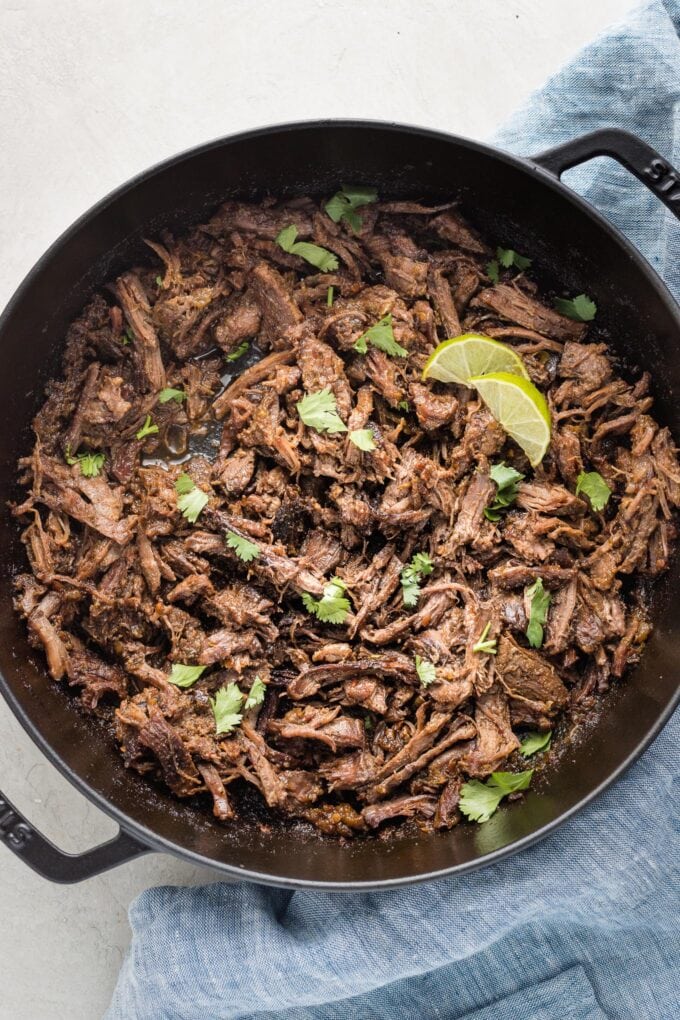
point(515, 205)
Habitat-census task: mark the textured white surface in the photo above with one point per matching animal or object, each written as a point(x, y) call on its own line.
point(91, 92)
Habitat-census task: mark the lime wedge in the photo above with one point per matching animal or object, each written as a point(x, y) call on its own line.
point(519, 408)
point(457, 360)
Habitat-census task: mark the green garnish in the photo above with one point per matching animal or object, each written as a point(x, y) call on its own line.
point(363, 440)
point(506, 258)
point(535, 742)
point(368, 722)
point(159, 281)
point(333, 607)
point(596, 489)
point(127, 337)
point(426, 671)
point(255, 694)
point(238, 352)
point(185, 676)
point(381, 336)
point(493, 271)
point(319, 411)
point(190, 499)
point(90, 463)
point(171, 394)
point(244, 549)
point(412, 574)
point(478, 801)
point(324, 260)
point(344, 203)
point(488, 646)
point(539, 600)
point(226, 706)
point(580, 308)
point(506, 479)
point(404, 405)
point(147, 429)
point(329, 297)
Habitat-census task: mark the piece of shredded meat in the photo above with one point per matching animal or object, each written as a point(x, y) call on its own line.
point(122, 590)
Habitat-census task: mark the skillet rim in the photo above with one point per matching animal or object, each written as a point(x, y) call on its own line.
point(146, 837)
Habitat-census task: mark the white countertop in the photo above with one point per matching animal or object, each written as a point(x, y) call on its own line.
point(92, 92)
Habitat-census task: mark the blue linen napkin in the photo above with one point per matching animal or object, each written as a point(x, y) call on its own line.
point(583, 926)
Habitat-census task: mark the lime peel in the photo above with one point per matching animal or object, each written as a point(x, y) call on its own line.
point(519, 408)
point(459, 359)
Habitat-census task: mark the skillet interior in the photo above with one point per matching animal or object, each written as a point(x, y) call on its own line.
point(512, 203)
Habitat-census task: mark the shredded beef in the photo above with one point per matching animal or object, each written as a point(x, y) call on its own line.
point(121, 588)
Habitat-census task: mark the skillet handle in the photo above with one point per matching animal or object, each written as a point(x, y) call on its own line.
point(637, 156)
point(51, 862)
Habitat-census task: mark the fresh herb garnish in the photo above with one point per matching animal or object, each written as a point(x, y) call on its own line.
point(506, 258)
point(381, 336)
point(147, 429)
point(580, 308)
point(539, 600)
point(332, 607)
point(506, 479)
point(329, 297)
point(426, 671)
point(324, 260)
point(404, 405)
point(226, 706)
point(190, 499)
point(412, 574)
point(171, 394)
point(127, 336)
point(485, 644)
point(185, 676)
point(535, 742)
point(159, 281)
point(238, 352)
point(478, 801)
point(344, 203)
point(319, 411)
point(90, 463)
point(244, 549)
point(255, 694)
point(596, 489)
point(363, 439)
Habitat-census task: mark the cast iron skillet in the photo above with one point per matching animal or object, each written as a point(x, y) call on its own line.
point(521, 204)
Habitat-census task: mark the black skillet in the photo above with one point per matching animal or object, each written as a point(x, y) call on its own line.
point(517, 202)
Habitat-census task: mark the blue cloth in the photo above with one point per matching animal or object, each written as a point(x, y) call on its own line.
point(583, 926)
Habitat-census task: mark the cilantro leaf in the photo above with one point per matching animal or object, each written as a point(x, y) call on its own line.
point(324, 260)
point(238, 352)
point(506, 479)
point(478, 801)
point(412, 574)
point(185, 676)
point(485, 644)
point(492, 271)
point(507, 258)
point(344, 203)
point(363, 440)
point(244, 549)
point(332, 607)
point(381, 336)
point(147, 429)
point(171, 394)
point(329, 297)
point(595, 488)
point(127, 337)
point(255, 694)
point(226, 706)
point(159, 281)
point(580, 308)
point(190, 499)
point(319, 411)
point(90, 464)
point(404, 405)
point(535, 742)
point(426, 671)
point(539, 600)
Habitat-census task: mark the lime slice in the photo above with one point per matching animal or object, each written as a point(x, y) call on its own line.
point(520, 408)
point(457, 360)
